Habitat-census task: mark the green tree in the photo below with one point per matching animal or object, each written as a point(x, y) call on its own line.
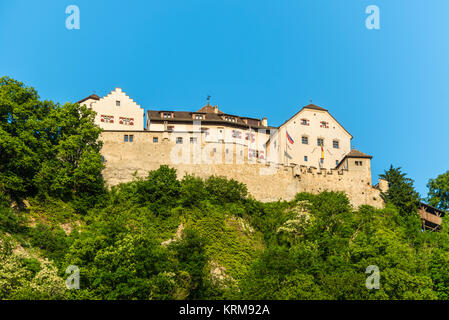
point(47, 149)
point(20, 155)
point(438, 195)
point(401, 192)
point(222, 190)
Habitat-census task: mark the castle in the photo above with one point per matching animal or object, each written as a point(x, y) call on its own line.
point(309, 152)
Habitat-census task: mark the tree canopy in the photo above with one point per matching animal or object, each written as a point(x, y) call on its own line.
point(401, 191)
point(47, 149)
point(438, 195)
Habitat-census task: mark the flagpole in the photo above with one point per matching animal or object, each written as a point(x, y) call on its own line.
point(285, 152)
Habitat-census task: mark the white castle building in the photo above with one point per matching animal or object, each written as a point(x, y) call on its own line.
point(312, 137)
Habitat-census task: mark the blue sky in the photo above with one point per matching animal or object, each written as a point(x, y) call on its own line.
point(388, 87)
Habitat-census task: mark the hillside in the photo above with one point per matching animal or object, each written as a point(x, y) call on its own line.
point(162, 238)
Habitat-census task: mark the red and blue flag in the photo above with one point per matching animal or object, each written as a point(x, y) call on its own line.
point(289, 138)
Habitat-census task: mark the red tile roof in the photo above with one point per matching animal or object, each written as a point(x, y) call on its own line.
point(209, 109)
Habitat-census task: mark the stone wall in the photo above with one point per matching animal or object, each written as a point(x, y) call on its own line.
point(265, 181)
point(355, 184)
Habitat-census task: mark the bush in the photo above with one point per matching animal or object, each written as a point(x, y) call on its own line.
point(11, 221)
point(53, 240)
point(221, 190)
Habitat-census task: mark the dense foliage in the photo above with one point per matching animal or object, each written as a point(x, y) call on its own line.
point(47, 149)
point(194, 245)
point(161, 237)
point(401, 192)
point(439, 191)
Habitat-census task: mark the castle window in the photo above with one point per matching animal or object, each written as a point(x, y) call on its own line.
point(320, 142)
point(117, 103)
point(220, 134)
point(236, 134)
point(178, 140)
point(126, 121)
point(155, 139)
point(335, 144)
point(107, 118)
point(251, 153)
point(321, 160)
point(336, 162)
point(170, 128)
point(227, 151)
point(304, 122)
point(324, 124)
point(128, 138)
point(358, 163)
point(166, 115)
point(199, 117)
point(305, 140)
point(305, 158)
point(193, 140)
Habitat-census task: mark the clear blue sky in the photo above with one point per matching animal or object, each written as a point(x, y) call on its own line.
point(388, 87)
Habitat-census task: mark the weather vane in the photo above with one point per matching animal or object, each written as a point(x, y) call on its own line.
point(208, 100)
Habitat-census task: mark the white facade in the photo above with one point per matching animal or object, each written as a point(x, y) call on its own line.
point(305, 129)
point(117, 111)
point(308, 129)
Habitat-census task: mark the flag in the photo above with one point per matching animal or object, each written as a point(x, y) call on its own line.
point(322, 152)
point(289, 138)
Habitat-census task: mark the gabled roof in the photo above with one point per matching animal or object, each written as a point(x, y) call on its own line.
point(209, 109)
point(357, 154)
point(354, 154)
point(92, 96)
point(314, 107)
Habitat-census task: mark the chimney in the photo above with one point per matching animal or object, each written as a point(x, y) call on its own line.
point(264, 122)
point(216, 109)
